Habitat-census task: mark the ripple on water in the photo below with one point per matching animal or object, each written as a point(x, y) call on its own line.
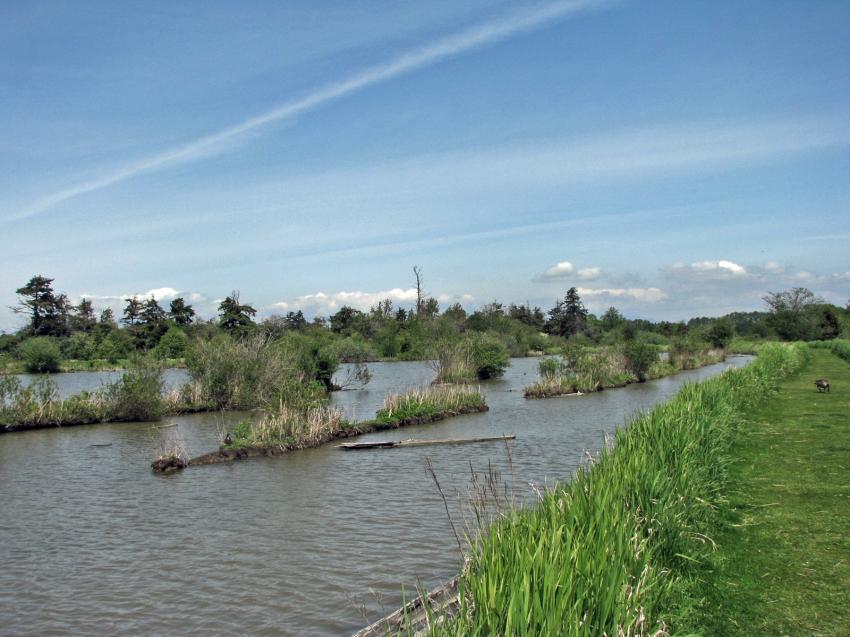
point(93, 543)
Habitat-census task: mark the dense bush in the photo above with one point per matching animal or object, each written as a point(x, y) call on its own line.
point(640, 357)
point(40, 355)
point(137, 395)
point(490, 358)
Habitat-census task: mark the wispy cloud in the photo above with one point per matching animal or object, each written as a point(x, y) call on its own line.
point(644, 295)
point(456, 44)
point(321, 302)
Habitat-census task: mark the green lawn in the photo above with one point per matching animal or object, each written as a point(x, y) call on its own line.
point(783, 564)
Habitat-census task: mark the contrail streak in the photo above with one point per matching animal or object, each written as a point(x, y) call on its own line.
point(450, 46)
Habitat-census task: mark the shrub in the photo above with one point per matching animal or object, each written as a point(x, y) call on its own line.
point(137, 395)
point(640, 357)
point(40, 355)
point(490, 357)
point(173, 343)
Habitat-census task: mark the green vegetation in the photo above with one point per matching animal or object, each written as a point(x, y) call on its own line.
point(137, 395)
point(781, 567)
point(427, 402)
point(613, 550)
point(40, 355)
point(288, 426)
point(469, 358)
point(592, 368)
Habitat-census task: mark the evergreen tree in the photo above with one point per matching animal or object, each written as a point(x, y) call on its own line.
point(569, 316)
point(234, 317)
point(132, 311)
point(180, 312)
point(83, 318)
point(47, 311)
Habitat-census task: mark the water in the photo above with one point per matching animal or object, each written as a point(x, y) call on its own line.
point(93, 543)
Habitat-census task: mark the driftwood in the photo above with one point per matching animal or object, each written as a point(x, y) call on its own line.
point(391, 444)
point(415, 617)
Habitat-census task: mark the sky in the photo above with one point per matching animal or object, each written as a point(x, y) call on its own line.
point(672, 159)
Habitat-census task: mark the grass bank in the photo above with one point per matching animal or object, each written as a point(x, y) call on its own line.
point(613, 550)
point(287, 429)
point(783, 562)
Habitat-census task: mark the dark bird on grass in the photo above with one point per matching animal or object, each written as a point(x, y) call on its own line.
point(227, 439)
point(822, 384)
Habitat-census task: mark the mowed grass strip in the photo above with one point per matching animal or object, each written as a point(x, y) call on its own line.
point(784, 558)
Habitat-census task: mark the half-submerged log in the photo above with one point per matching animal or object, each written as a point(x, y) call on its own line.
point(391, 444)
point(415, 617)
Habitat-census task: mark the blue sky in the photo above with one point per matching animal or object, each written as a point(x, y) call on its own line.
point(672, 159)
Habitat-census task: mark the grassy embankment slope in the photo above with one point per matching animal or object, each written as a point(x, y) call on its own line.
point(622, 548)
point(784, 557)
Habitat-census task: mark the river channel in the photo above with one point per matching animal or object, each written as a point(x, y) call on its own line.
point(319, 542)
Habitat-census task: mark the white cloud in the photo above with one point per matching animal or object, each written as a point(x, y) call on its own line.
point(644, 295)
point(721, 269)
point(160, 294)
point(774, 267)
point(558, 271)
point(324, 303)
point(840, 275)
point(589, 274)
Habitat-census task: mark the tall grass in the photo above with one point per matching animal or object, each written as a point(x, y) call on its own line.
point(137, 395)
point(426, 402)
point(289, 426)
point(840, 347)
point(608, 553)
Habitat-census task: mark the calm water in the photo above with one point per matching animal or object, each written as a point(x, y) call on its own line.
point(93, 543)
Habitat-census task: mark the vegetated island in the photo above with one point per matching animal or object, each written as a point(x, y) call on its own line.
point(287, 429)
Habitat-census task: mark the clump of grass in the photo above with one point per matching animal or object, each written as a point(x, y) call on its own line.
point(840, 347)
point(429, 402)
point(607, 553)
point(296, 427)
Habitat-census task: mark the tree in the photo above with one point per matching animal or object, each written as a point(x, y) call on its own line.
point(82, 317)
point(48, 312)
point(132, 311)
point(430, 308)
point(569, 316)
point(612, 319)
point(40, 355)
point(295, 320)
point(345, 319)
point(720, 333)
point(640, 356)
point(789, 314)
point(180, 312)
point(417, 272)
point(235, 317)
point(152, 313)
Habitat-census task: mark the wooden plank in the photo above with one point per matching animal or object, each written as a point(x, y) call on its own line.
point(392, 444)
point(414, 618)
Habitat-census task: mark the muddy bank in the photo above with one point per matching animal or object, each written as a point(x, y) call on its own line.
point(224, 454)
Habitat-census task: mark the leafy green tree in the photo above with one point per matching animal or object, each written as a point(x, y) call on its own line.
point(612, 319)
point(173, 343)
point(295, 321)
point(720, 332)
point(790, 315)
point(429, 309)
point(345, 319)
point(180, 312)
point(235, 317)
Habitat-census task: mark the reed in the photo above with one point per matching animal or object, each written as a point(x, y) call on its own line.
point(608, 553)
point(430, 401)
point(294, 427)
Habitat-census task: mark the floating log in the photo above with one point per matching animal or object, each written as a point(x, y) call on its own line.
point(102, 444)
point(390, 444)
point(173, 424)
point(414, 618)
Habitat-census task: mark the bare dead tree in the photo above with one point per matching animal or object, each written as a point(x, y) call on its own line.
point(417, 272)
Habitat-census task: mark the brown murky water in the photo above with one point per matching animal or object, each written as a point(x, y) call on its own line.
point(93, 543)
